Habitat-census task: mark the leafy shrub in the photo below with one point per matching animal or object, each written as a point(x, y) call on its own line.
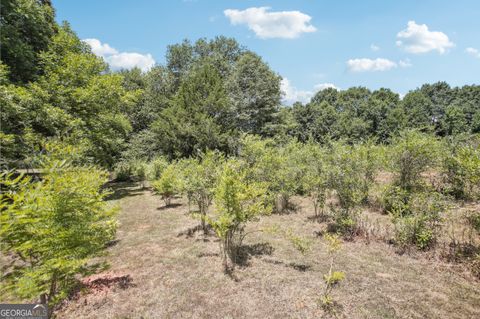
point(395, 200)
point(369, 157)
point(131, 170)
point(279, 166)
point(413, 153)
point(346, 177)
point(237, 201)
point(302, 244)
point(332, 277)
point(123, 171)
point(462, 171)
point(53, 226)
point(199, 177)
point(156, 168)
point(420, 228)
point(168, 184)
point(314, 180)
point(139, 171)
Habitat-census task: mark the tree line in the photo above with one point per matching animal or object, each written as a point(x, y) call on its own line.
point(205, 97)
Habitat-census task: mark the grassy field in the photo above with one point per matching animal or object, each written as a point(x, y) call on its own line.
point(162, 268)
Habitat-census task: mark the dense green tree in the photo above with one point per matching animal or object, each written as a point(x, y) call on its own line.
point(221, 51)
point(195, 120)
point(418, 109)
point(441, 95)
point(27, 27)
point(158, 91)
point(329, 95)
point(254, 91)
point(376, 111)
point(79, 100)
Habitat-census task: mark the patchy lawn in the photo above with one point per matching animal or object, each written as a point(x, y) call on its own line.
point(162, 268)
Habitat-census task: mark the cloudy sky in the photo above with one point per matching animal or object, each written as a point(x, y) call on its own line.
point(312, 44)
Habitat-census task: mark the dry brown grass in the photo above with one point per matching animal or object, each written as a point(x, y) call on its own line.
point(177, 273)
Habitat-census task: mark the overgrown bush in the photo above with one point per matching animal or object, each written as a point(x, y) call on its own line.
point(279, 166)
point(199, 177)
point(461, 170)
point(421, 226)
point(237, 202)
point(139, 172)
point(346, 177)
point(168, 184)
point(156, 167)
point(370, 159)
point(396, 200)
point(123, 171)
point(411, 154)
point(53, 227)
point(314, 180)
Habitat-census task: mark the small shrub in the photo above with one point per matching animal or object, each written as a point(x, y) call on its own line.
point(199, 177)
point(412, 154)
point(123, 171)
point(302, 244)
point(314, 180)
point(53, 227)
point(421, 227)
point(156, 167)
point(237, 202)
point(345, 177)
point(168, 184)
point(395, 200)
point(333, 277)
point(139, 171)
point(462, 172)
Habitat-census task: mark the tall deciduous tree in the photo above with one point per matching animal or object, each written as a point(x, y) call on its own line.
point(254, 92)
point(27, 27)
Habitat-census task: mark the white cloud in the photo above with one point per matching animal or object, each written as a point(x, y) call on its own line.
point(374, 47)
point(405, 63)
point(473, 52)
point(291, 94)
point(120, 60)
point(323, 86)
point(416, 38)
point(100, 49)
point(368, 65)
point(130, 60)
point(281, 24)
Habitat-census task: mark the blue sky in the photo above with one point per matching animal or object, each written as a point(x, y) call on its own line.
point(311, 43)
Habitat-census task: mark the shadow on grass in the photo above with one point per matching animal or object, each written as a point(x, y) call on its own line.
point(112, 243)
point(289, 209)
point(318, 218)
point(244, 253)
point(206, 255)
point(173, 205)
point(190, 232)
point(123, 189)
point(296, 266)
